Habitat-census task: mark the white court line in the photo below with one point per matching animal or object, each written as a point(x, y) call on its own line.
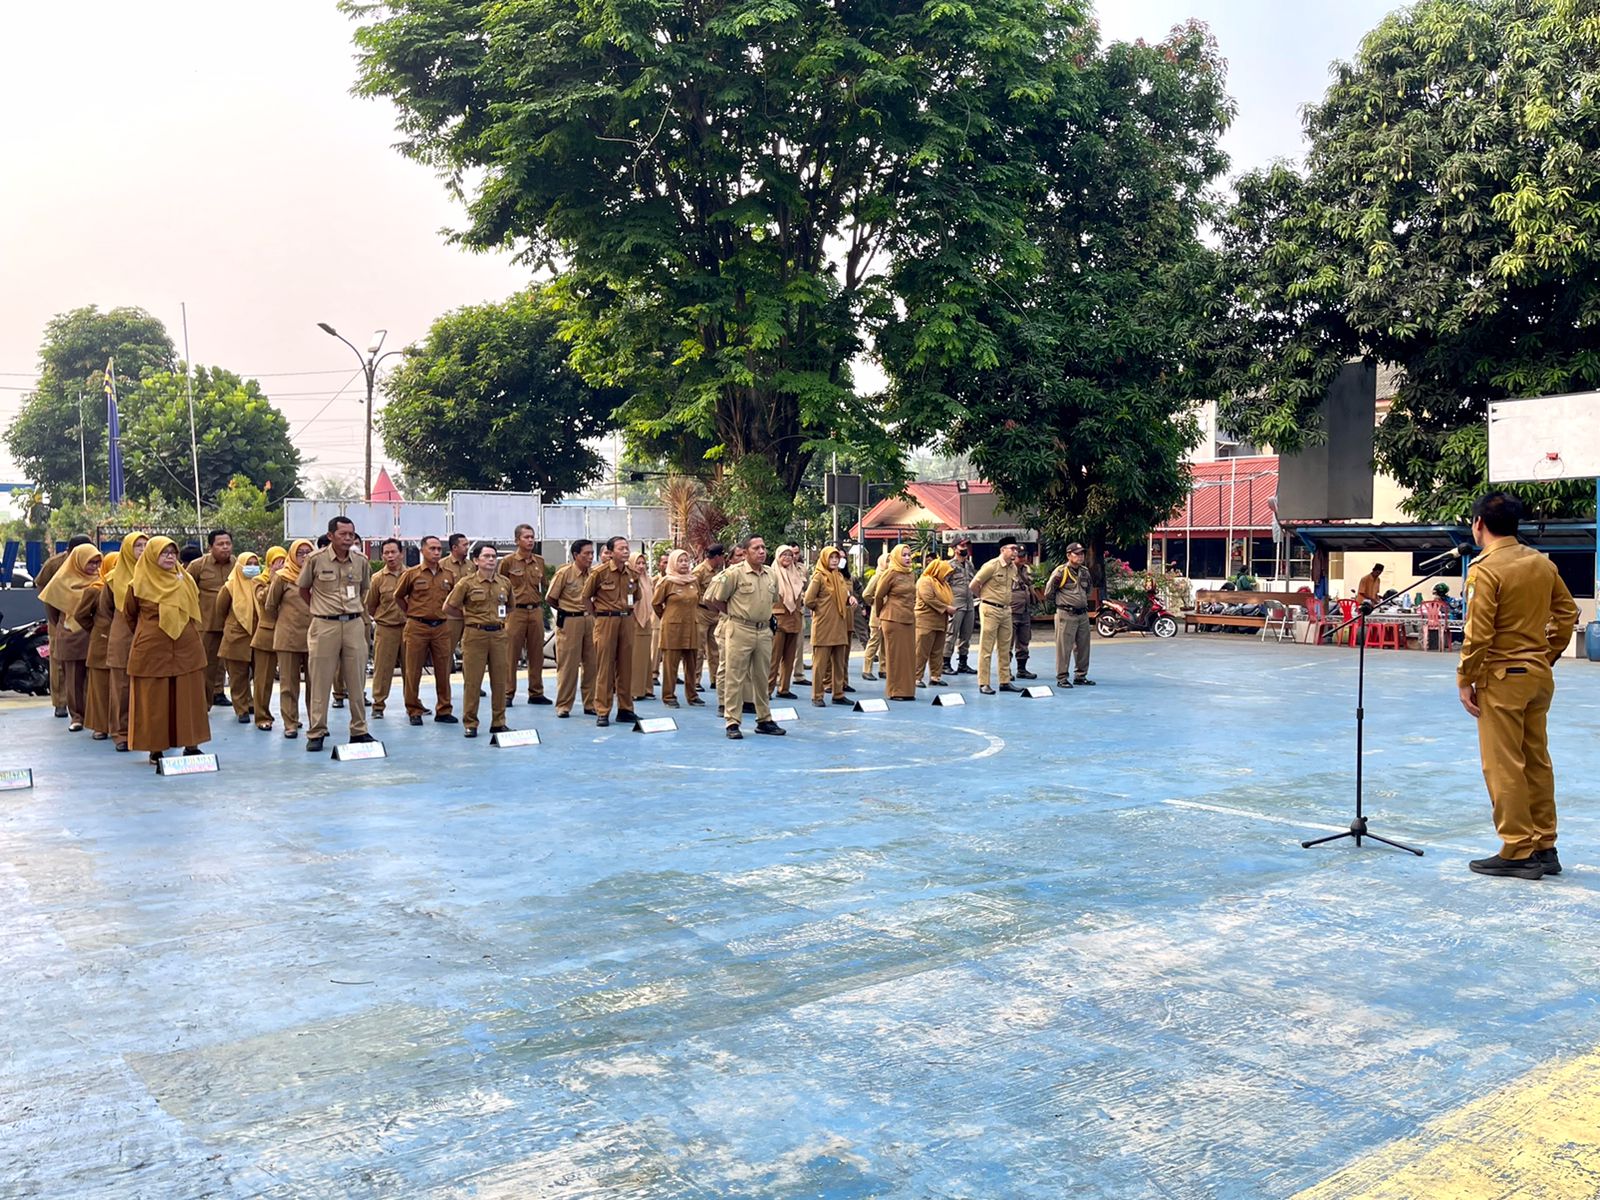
point(1255, 816)
point(996, 744)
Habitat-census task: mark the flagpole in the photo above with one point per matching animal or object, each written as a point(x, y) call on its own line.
point(83, 454)
point(194, 446)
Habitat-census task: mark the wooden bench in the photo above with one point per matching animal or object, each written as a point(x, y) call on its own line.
point(1195, 620)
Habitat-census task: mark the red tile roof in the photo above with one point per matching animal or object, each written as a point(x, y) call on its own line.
point(1252, 483)
point(943, 500)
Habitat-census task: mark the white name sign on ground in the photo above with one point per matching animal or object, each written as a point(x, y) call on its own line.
point(515, 737)
point(16, 779)
point(949, 700)
point(785, 714)
point(655, 725)
point(879, 704)
point(355, 751)
point(187, 764)
point(1037, 692)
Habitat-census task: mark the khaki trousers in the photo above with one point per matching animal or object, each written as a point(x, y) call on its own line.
point(749, 654)
point(75, 683)
point(930, 653)
point(669, 673)
point(723, 684)
point(388, 644)
point(58, 691)
point(1072, 646)
point(994, 638)
point(1516, 758)
point(656, 656)
point(291, 675)
point(525, 636)
point(481, 650)
point(335, 649)
point(262, 665)
point(211, 639)
point(574, 655)
point(97, 714)
point(899, 659)
point(710, 627)
point(237, 673)
point(830, 670)
point(785, 648)
point(120, 690)
point(874, 653)
point(613, 654)
point(424, 644)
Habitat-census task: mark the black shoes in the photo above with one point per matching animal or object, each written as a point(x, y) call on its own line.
point(733, 734)
point(472, 733)
point(985, 690)
point(416, 720)
point(869, 677)
point(589, 712)
point(787, 696)
point(1513, 868)
point(1552, 864)
point(376, 716)
point(670, 702)
point(540, 700)
point(313, 745)
point(510, 703)
point(1025, 674)
point(338, 703)
point(291, 734)
point(848, 688)
point(244, 718)
point(771, 728)
point(362, 739)
point(626, 716)
point(1064, 684)
point(563, 716)
point(1083, 683)
point(61, 712)
point(218, 699)
point(603, 722)
point(964, 669)
point(938, 683)
point(1009, 687)
point(819, 704)
point(696, 702)
point(499, 729)
point(447, 719)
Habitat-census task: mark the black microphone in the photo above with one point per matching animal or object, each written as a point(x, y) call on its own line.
point(1439, 560)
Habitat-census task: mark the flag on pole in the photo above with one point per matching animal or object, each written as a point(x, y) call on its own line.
point(114, 431)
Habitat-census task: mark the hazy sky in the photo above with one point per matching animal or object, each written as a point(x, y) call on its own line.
point(208, 152)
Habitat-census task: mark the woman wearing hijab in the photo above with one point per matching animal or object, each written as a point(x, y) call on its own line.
point(61, 598)
point(95, 613)
point(787, 612)
point(167, 661)
point(934, 602)
point(120, 585)
point(293, 617)
point(830, 600)
point(236, 609)
point(644, 618)
point(677, 607)
point(263, 662)
point(874, 652)
point(894, 597)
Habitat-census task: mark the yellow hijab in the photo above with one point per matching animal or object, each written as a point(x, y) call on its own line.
point(833, 581)
point(644, 594)
point(791, 581)
point(936, 573)
point(894, 563)
point(65, 588)
point(122, 578)
point(291, 569)
point(243, 591)
point(173, 590)
point(108, 564)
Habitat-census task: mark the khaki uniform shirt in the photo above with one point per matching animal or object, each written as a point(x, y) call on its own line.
point(611, 587)
point(677, 606)
point(336, 587)
point(749, 595)
point(464, 569)
point(1068, 587)
point(526, 576)
point(894, 596)
point(291, 617)
point(266, 622)
point(210, 577)
point(1367, 589)
point(566, 588)
point(704, 573)
point(380, 598)
point(424, 591)
point(993, 583)
point(1519, 614)
point(486, 602)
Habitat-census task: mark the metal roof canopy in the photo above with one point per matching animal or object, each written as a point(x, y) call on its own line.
point(1546, 536)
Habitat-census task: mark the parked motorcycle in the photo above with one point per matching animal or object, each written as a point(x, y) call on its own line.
point(25, 659)
point(1153, 617)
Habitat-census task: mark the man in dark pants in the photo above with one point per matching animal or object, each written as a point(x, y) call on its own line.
point(1023, 596)
point(1068, 590)
point(963, 621)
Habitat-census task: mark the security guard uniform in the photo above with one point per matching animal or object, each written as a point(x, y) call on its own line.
point(1068, 590)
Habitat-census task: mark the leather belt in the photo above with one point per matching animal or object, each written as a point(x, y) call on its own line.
point(618, 613)
point(425, 621)
point(530, 606)
point(1077, 612)
point(994, 604)
point(337, 616)
point(758, 626)
point(487, 628)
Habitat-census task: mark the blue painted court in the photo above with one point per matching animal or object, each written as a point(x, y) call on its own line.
point(1024, 948)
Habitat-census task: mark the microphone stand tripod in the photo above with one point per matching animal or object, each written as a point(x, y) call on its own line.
point(1358, 827)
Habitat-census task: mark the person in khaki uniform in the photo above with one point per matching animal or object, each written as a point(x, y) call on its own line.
point(609, 593)
point(389, 635)
point(791, 622)
point(120, 584)
point(1520, 617)
point(210, 574)
point(62, 598)
point(992, 587)
point(720, 636)
point(645, 633)
point(96, 613)
point(333, 583)
point(236, 608)
point(963, 611)
point(1068, 589)
point(420, 595)
point(677, 605)
point(482, 603)
point(715, 560)
point(168, 704)
point(460, 567)
point(1023, 598)
point(47, 572)
point(524, 570)
point(575, 654)
point(873, 655)
point(894, 599)
point(830, 600)
point(934, 600)
point(746, 594)
point(291, 623)
point(263, 659)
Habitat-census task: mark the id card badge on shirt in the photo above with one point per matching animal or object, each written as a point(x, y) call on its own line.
point(502, 612)
point(349, 591)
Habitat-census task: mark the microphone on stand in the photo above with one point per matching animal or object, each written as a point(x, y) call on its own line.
point(1440, 560)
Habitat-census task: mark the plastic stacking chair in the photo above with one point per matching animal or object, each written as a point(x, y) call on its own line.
point(1347, 612)
point(1436, 625)
point(1386, 635)
point(1317, 620)
point(1277, 625)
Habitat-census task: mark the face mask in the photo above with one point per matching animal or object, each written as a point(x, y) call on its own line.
point(252, 571)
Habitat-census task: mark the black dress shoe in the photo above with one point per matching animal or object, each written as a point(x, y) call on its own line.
point(787, 696)
point(122, 747)
point(244, 718)
point(313, 745)
point(191, 749)
point(510, 702)
point(499, 729)
point(1552, 864)
point(848, 688)
point(338, 703)
point(470, 733)
point(540, 700)
point(985, 690)
point(219, 698)
point(819, 704)
point(842, 700)
point(1083, 683)
point(938, 683)
point(563, 716)
point(1064, 685)
point(749, 707)
point(1009, 687)
point(696, 702)
point(375, 715)
point(1021, 674)
point(291, 734)
point(733, 733)
point(869, 677)
point(100, 737)
point(963, 669)
point(447, 719)
point(1514, 868)
point(61, 712)
point(626, 716)
point(589, 712)
point(770, 728)
point(602, 722)
point(801, 679)
point(415, 720)
point(670, 702)
point(903, 699)
point(362, 739)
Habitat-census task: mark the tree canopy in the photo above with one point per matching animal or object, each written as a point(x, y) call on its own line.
point(488, 401)
point(1447, 221)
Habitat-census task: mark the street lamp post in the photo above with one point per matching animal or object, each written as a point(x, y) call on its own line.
point(369, 368)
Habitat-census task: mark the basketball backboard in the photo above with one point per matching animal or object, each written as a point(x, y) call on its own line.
point(1545, 439)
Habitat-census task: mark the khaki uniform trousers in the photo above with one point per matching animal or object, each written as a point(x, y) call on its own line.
point(749, 659)
point(691, 673)
point(262, 665)
point(525, 635)
point(830, 670)
point(291, 675)
point(613, 652)
point(930, 653)
point(723, 683)
point(874, 653)
point(238, 676)
point(75, 683)
point(899, 659)
point(994, 638)
point(58, 689)
point(120, 695)
point(1072, 646)
point(480, 651)
point(424, 644)
point(785, 649)
point(574, 655)
point(710, 632)
point(1512, 740)
point(388, 643)
point(335, 649)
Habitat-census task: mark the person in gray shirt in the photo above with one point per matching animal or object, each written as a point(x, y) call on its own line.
point(963, 620)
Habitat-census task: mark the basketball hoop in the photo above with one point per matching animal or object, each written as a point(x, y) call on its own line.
point(1549, 467)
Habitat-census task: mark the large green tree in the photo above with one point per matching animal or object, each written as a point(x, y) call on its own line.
point(43, 437)
point(1085, 414)
point(1447, 221)
point(724, 184)
point(489, 401)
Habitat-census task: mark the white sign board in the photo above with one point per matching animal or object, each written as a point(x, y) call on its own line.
point(1546, 439)
point(491, 516)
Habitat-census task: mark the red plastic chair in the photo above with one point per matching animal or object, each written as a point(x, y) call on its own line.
point(1436, 625)
point(1386, 635)
point(1347, 612)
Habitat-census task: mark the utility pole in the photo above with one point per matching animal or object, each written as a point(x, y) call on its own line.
point(369, 368)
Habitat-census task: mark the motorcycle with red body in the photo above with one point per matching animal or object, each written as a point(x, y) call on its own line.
point(1152, 617)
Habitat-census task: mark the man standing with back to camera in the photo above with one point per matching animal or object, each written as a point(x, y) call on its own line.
point(1520, 617)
